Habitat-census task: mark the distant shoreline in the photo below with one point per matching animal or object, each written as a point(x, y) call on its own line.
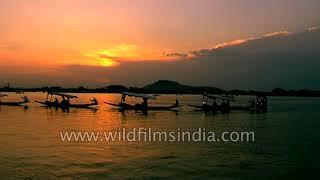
point(163, 93)
point(168, 87)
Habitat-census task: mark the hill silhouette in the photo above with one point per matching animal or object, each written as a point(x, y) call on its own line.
point(166, 86)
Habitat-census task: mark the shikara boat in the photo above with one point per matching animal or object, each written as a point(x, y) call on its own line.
point(144, 105)
point(257, 105)
point(65, 103)
point(19, 103)
point(260, 104)
point(224, 107)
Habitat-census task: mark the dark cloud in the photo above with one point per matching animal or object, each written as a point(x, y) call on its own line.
point(278, 60)
point(202, 52)
point(178, 55)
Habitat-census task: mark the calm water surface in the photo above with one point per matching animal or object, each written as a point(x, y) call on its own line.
point(286, 142)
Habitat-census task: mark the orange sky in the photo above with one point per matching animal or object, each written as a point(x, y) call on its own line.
point(104, 33)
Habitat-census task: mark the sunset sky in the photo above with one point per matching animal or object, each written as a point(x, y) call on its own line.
point(45, 35)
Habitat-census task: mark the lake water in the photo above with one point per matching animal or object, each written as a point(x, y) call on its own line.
point(286, 142)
